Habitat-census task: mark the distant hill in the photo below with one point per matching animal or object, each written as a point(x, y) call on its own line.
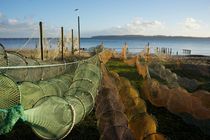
point(146, 37)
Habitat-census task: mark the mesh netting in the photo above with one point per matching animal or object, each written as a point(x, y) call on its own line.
point(105, 56)
point(131, 61)
point(180, 102)
point(55, 96)
point(142, 69)
point(110, 111)
point(16, 60)
point(3, 57)
point(124, 52)
point(140, 122)
point(9, 93)
point(21, 69)
point(51, 117)
point(78, 106)
point(117, 133)
point(33, 74)
point(171, 78)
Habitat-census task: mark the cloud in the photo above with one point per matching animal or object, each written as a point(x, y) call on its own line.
point(135, 27)
point(192, 24)
point(12, 21)
point(26, 27)
point(138, 26)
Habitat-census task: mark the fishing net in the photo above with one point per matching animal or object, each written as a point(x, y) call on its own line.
point(189, 84)
point(16, 60)
point(78, 107)
point(105, 56)
point(172, 79)
point(54, 96)
point(180, 102)
point(117, 133)
point(85, 84)
point(142, 125)
point(33, 74)
point(51, 117)
point(51, 71)
point(124, 52)
point(142, 69)
point(155, 93)
point(131, 62)
point(9, 93)
point(140, 122)
point(22, 69)
point(163, 73)
point(3, 57)
point(30, 94)
point(110, 110)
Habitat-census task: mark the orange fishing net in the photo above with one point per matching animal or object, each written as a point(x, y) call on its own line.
point(105, 56)
point(140, 122)
point(131, 62)
point(178, 100)
point(124, 52)
point(142, 69)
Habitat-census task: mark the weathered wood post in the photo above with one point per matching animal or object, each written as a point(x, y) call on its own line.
point(41, 40)
point(62, 43)
point(79, 34)
point(72, 41)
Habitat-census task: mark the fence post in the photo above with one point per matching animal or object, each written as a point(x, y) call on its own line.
point(41, 40)
point(79, 34)
point(62, 44)
point(72, 41)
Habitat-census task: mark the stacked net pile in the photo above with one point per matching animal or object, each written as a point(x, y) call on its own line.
point(112, 122)
point(53, 106)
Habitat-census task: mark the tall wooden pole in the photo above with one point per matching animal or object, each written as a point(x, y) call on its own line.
point(79, 33)
point(62, 44)
point(72, 41)
point(41, 40)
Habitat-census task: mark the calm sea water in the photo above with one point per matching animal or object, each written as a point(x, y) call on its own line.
point(200, 46)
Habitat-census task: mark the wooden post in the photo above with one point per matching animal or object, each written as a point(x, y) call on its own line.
point(79, 33)
point(41, 40)
point(72, 41)
point(62, 44)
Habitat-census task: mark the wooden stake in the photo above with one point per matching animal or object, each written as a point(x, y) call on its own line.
point(41, 40)
point(62, 43)
point(72, 41)
point(79, 33)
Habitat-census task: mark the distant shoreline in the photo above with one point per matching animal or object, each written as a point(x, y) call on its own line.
point(144, 36)
point(121, 36)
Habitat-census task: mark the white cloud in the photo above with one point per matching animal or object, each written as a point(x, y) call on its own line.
point(13, 21)
point(24, 28)
point(192, 24)
point(136, 26)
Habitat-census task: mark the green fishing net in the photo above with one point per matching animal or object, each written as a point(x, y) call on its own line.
point(9, 93)
point(51, 117)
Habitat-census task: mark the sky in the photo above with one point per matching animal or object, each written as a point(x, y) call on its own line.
point(20, 18)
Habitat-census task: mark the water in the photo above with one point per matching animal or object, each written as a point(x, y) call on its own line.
point(199, 46)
